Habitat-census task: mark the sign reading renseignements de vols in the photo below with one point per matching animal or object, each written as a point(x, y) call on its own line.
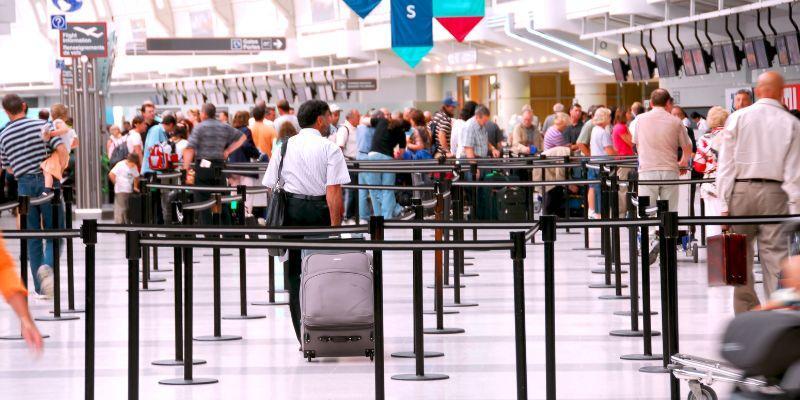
point(84, 39)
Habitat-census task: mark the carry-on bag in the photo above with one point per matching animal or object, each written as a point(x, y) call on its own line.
point(336, 303)
point(727, 259)
point(763, 343)
point(511, 204)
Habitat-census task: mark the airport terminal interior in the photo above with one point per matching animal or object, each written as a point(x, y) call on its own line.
point(480, 199)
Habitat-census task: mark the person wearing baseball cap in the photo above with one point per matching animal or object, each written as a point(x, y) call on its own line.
point(336, 112)
point(441, 126)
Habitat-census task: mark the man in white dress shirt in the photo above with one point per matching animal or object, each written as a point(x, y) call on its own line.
point(313, 174)
point(758, 174)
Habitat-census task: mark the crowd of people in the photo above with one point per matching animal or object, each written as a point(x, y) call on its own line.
point(307, 152)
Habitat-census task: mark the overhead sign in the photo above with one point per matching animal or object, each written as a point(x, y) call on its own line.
point(216, 45)
point(355, 85)
point(412, 29)
point(84, 39)
point(463, 57)
point(58, 22)
point(68, 5)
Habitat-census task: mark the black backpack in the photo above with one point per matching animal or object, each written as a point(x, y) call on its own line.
point(120, 153)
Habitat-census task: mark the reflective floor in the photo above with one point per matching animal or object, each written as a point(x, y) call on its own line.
point(267, 365)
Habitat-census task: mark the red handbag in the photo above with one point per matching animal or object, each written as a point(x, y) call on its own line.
point(727, 259)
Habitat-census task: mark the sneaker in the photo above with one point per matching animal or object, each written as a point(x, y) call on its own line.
point(405, 214)
point(45, 275)
point(654, 250)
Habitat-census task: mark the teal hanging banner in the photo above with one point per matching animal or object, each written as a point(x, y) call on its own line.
point(459, 17)
point(362, 7)
point(412, 29)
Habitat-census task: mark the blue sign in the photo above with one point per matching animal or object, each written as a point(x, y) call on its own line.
point(362, 7)
point(58, 22)
point(412, 29)
point(68, 5)
point(60, 64)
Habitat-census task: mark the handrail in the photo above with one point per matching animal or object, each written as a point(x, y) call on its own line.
point(390, 187)
point(670, 182)
point(202, 205)
point(526, 184)
point(41, 234)
point(9, 206)
point(46, 198)
point(169, 175)
point(222, 230)
point(327, 244)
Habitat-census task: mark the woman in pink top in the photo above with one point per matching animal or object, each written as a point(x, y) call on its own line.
point(623, 142)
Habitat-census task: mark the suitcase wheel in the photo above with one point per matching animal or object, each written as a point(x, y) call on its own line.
point(309, 354)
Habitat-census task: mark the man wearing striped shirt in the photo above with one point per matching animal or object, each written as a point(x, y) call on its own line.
point(22, 150)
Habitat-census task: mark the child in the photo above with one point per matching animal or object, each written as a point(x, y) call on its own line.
point(125, 177)
point(53, 167)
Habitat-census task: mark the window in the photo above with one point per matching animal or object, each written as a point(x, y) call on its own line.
point(202, 25)
point(322, 10)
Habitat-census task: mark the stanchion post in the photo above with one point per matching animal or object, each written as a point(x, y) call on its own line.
point(611, 210)
point(376, 235)
point(240, 215)
point(549, 238)
point(89, 236)
point(670, 225)
point(155, 205)
point(518, 256)
point(663, 206)
point(357, 194)
point(458, 254)
point(68, 201)
point(55, 206)
point(419, 353)
point(473, 213)
point(133, 253)
point(585, 172)
point(23, 209)
point(702, 227)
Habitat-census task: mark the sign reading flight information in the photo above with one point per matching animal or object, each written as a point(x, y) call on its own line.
point(88, 39)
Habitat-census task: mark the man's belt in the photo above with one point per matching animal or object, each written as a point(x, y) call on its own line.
point(759, 181)
point(305, 197)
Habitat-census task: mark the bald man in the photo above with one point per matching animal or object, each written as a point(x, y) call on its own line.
point(758, 174)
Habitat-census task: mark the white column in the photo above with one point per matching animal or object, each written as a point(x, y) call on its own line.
point(434, 90)
point(514, 93)
point(588, 94)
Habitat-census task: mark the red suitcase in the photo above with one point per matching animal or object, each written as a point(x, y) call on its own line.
point(727, 259)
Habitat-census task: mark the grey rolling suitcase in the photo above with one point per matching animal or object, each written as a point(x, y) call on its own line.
point(337, 318)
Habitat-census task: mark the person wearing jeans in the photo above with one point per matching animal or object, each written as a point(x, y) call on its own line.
point(388, 134)
point(383, 201)
point(40, 217)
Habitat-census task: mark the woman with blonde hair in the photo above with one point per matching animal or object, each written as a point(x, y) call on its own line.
point(705, 162)
point(600, 144)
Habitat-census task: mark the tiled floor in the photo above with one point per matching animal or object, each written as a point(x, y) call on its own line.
point(267, 365)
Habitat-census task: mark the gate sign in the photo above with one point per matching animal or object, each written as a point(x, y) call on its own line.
point(353, 85)
point(216, 45)
point(412, 29)
point(84, 39)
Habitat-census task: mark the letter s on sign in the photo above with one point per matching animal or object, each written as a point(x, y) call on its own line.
point(411, 11)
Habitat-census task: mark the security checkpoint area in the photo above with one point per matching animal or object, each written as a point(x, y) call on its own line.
point(400, 199)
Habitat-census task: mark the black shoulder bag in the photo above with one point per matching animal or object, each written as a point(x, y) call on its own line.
point(276, 208)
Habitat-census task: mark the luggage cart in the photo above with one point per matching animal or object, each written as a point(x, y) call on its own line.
point(701, 373)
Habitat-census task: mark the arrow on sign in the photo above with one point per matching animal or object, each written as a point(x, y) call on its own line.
point(278, 44)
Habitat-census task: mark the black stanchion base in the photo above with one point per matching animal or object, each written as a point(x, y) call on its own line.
point(443, 331)
point(614, 297)
point(446, 286)
point(244, 316)
point(176, 363)
point(601, 271)
point(462, 304)
point(655, 369)
point(604, 286)
point(627, 313)
point(152, 280)
point(150, 289)
point(466, 264)
point(414, 377)
point(595, 255)
point(162, 270)
point(641, 357)
point(54, 318)
point(209, 255)
point(221, 338)
point(75, 311)
point(173, 263)
point(266, 303)
point(19, 337)
point(586, 249)
point(433, 312)
point(410, 354)
point(630, 333)
point(188, 382)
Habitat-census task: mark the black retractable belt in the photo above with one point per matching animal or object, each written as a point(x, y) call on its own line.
point(241, 190)
point(419, 353)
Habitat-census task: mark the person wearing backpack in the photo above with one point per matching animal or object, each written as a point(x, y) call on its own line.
point(157, 144)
